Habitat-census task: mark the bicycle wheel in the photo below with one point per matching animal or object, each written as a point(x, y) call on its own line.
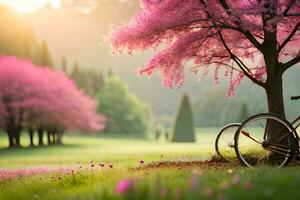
point(224, 143)
point(265, 139)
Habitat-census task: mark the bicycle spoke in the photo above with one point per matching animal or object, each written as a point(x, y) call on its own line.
point(252, 144)
point(251, 137)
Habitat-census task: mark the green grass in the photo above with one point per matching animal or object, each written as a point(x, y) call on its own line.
point(101, 148)
point(125, 154)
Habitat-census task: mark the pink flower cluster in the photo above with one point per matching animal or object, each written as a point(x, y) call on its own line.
point(6, 174)
point(190, 32)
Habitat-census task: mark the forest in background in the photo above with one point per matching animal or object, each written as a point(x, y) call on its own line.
point(87, 51)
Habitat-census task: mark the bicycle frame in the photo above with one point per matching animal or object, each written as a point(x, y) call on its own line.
point(295, 122)
point(279, 148)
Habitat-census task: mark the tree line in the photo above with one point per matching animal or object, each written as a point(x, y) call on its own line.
point(42, 101)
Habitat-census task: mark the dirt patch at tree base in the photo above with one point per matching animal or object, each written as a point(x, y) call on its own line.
point(206, 164)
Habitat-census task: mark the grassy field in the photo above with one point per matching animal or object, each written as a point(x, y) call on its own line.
point(102, 148)
point(143, 182)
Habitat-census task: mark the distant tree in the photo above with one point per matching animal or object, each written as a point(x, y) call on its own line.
point(167, 136)
point(244, 113)
point(42, 100)
point(110, 72)
point(97, 81)
point(43, 57)
point(157, 134)
point(90, 81)
point(232, 111)
point(125, 113)
point(64, 64)
point(209, 107)
point(75, 68)
point(184, 125)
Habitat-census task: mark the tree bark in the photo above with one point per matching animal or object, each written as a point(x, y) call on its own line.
point(59, 137)
point(49, 137)
point(274, 91)
point(10, 139)
point(31, 133)
point(17, 137)
point(41, 134)
point(53, 137)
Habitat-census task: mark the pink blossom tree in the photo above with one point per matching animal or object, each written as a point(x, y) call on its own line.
point(42, 99)
point(17, 89)
point(68, 108)
point(258, 40)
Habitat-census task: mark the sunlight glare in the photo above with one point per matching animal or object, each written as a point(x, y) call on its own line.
point(27, 6)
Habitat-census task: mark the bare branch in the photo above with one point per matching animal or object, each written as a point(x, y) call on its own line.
point(241, 65)
point(247, 33)
point(293, 15)
point(289, 6)
point(292, 62)
point(296, 28)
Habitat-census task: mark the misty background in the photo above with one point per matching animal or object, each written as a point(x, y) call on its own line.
point(76, 36)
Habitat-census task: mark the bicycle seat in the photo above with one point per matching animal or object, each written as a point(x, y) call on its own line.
point(295, 97)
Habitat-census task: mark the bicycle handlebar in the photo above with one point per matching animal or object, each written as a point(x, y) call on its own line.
point(295, 97)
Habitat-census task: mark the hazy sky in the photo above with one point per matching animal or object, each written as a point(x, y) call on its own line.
point(26, 6)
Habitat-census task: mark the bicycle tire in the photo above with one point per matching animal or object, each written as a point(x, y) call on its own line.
point(222, 131)
point(263, 116)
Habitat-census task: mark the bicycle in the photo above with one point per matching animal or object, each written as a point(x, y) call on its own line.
point(267, 139)
point(224, 143)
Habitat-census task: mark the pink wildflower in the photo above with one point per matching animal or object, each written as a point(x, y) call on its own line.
point(193, 182)
point(248, 185)
point(163, 192)
point(235, 180)
point(224, 185)
point(208, 192)
point(123, 186)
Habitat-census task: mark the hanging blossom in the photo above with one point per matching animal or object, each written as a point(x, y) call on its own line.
point(208, 33)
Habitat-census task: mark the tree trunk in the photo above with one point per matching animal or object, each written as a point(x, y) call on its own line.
point(59, 137)
point(53, 137)
point(274, 91)
point(41, 134)
point(17, 137)
point(31, 132)
point(49, 137)
point(10, 139)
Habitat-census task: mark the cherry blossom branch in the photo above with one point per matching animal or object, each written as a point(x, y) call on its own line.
point(289, 6)
point(293, 15)
point(249, 35)
point(241, 65)
point(296, 28)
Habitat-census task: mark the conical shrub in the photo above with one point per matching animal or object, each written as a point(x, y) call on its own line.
point(184, 127)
